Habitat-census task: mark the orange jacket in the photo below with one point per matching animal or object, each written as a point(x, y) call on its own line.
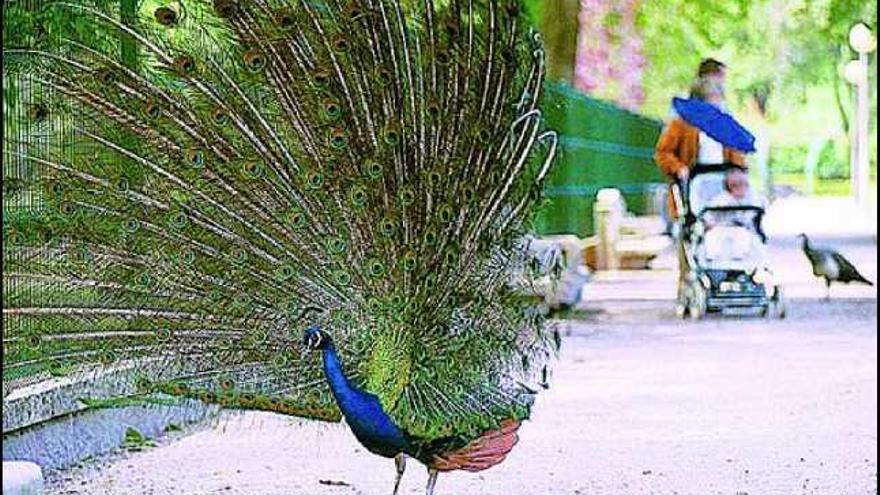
point(677, 149)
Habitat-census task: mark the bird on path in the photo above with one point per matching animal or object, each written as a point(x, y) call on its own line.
point(831, 266)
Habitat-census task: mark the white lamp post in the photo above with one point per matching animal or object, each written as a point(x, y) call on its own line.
point(856, 72)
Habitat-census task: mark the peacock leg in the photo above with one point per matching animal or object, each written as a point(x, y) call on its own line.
point(827, 290)
point(400, 464)
point(432, 480)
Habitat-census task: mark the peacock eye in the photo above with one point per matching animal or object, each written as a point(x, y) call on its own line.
point(166, 16)
point(152, 111)
point(285, 20)
point(359, 197)
point(321, 78)
point(184, 64)
point(252, 170)
point(220, 117)
point(315, 180)
point(340, 44)
point(377, 268)
point(384, 77)
point(392, 137)
point(106, 76)
point(38, 112)
point(342, 277)
point(254, 60)
point(338, 139)
point(332, 110)
point(373, 169)
point(226, 8)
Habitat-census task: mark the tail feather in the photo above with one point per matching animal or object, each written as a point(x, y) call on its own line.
point(374, 159)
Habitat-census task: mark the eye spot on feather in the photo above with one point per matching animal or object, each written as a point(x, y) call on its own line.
point(354, 12)
point(254, 60)
point(144, 280)
point(166, 16)
point(184, 65)
point(38, 112)
point(384, 77)
point(337, 246)
point(107, 357)
point(252, 170)
point(105, 76)
point(33, 341)
point(388, 227)
point(406, 196)
point(285, 19)
point(239, 256)
point(187, 257)
point(376, 268)
point(164, 334)
point(226, 8)
point(342, 277)
point(131, 225)
point(220, 116)
point(340, 44)
point(332, 110)
point(179, 220)
point(358, 197)
point(296, 218)
point(338, 139)
point(286, 272)
point(431, 237)
point(410, 261)
point(373, 170)
point(314, 180)
point(67, 209)
point(321, 79)
point(196, 158)
point(392, 137)
point(122, 185)
point(446, 214)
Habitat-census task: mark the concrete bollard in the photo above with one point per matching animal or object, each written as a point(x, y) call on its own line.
point(22, 478)
point(608, 213)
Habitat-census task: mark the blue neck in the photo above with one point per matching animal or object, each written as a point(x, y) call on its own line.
point(363, 412)
point(339, 384)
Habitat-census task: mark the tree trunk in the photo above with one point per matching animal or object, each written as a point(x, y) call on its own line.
point(559, 25)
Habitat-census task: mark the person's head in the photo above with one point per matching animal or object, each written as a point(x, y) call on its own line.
point(736, 182)
point(708, 90)
point(711, 68)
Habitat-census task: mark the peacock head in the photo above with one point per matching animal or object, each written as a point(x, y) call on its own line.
point(804, 240)
point(315, 338)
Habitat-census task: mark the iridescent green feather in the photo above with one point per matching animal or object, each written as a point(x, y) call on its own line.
point(370, 165)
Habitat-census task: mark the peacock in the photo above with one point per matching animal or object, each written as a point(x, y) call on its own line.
point(315, 208)
point(831, 265)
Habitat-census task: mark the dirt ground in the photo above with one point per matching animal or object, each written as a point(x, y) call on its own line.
point(640, 403)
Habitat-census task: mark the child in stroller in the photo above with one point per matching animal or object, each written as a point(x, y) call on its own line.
point(724, 245)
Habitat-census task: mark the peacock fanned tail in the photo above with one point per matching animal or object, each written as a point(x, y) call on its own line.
point(371, 165)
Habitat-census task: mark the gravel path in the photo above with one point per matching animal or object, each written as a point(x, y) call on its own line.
point(640, 403)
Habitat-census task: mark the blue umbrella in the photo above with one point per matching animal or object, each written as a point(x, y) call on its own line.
point(718, 124)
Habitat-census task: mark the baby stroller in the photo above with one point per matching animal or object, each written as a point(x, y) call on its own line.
point(724, 251)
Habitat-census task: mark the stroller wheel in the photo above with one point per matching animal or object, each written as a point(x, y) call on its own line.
point(777, 302)
point(697, 306)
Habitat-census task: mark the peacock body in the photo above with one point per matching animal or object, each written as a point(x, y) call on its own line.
point(830, 265)
point(361, 170)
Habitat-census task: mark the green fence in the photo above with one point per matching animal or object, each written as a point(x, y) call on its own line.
point(601, 146)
